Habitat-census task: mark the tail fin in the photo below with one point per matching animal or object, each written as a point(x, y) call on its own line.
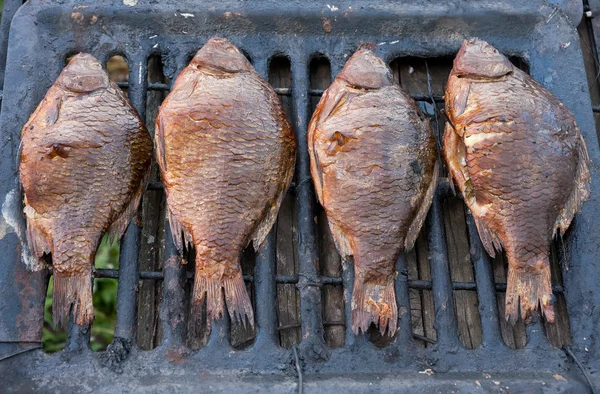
point(373, 303)
point(527, 287)
point(74, 290)
point(236, 298)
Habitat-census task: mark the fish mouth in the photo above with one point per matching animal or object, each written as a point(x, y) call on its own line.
point(214, 69)
point(484, 78)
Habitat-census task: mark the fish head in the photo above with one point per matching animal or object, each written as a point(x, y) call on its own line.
point(479, 60)
point(218, 54)
point(366, 70)
point(83, 74)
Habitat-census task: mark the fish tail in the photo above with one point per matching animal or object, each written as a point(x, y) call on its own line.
point(236, 298)
point(374, 303)
point(72, 290)
point(529, 286)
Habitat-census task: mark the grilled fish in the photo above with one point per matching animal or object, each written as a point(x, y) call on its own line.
point(84, 163)
point(226, 153)
point(518, 158)
point(374, 166)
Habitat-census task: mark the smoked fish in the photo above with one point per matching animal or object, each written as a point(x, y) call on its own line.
point(84, 164)
point(226, 152)
point(516, 154)
point(374, 164)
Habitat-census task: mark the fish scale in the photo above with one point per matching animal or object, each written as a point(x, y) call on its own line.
point(516, 154)
point(363, 138)
point(226, 152)
point(85, 161)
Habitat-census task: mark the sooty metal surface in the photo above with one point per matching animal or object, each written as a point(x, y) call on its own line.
point(43, 33)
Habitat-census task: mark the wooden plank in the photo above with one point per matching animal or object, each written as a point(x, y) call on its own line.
point(461, 270)
point(426, 295)
point(288, 297)
point(416, 308)
point(413, 75)
point(558, 333)
point(333, 295)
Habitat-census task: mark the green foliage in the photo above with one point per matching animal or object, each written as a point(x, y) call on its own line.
point(105, 303)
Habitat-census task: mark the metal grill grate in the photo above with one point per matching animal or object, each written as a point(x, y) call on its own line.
point(42, 35)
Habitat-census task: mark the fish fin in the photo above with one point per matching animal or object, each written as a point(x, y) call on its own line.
point(374, 303)
point(461, 98)
point(580, 193)
point(72, 291)
point(159, 138)
point(182, 91)
point(236, 298)
point(490, 240)
point(38, 243)
point(452, 151)
point(340, 240)
point(181, 237)
point(119, 226)
point(262, 230)
point(53, 111)
point(526, 289)
point(316, 172)
point(417, 223)
point(332, 101)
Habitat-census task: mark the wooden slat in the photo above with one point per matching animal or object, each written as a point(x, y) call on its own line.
point(426, 295)
point(416, 308)
point(333, 295)
point(558, 333)
point(461, 270)
point(288, 297)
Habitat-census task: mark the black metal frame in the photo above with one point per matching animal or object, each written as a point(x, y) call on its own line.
point(43, 33)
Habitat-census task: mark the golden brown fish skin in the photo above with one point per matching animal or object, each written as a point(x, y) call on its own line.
point(84, 163)
point(517, 156)
point(226, 152)
point(374, 166)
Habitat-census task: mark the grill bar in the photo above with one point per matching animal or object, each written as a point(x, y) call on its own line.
point(173, 311)
point(443, 298)
point(324, 280)
point(78, 337)
point(265, 269)
point(486, 291)
point(347, 359)
point(310, 292)
point(125, 327)
point(218, 340)
point(266, 293)
point(403, 303)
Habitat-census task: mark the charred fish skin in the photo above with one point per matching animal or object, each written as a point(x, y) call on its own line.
point(226, 152)
point(84, 164)
point(516, 154)
point(374, 166)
